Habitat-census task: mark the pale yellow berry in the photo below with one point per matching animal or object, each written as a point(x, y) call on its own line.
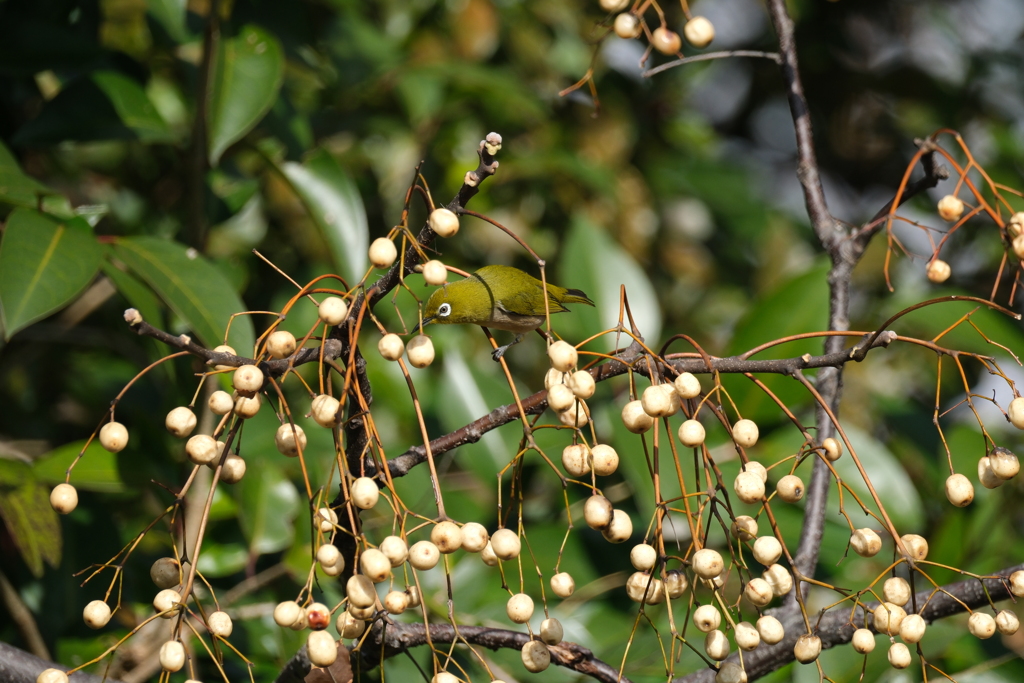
point(52, 676)
point(598, 512)
point(444, 222)
point(474, 537)
point(202, 449)
point(691, 433)
point(180, 421)
point(635, 419)
point(959, 490)
point(767, 550)
point(382, 253)
point(938, 271)
point(779, 578)
point(747, 637)
point(224, 348)
point(699, 32)
point(642, 587)
point(619, 529)
point(519, 608)
point(950, 208)
point(888, 618)
point(395, 549)
point(758, 592)
point(687, 386)
point(96, 614)
point(731, 672)
point(172, 656)
point(1017, 584)
point(396, 602)
point(220, 624)
point(563, 356)
point(113, 437)
point(896, 590)
point(899, 656)
point(605, 460)
point(790, 488)
point(1007, 622)
point(445, 677)
point(643, 556)
point(329, 556)
point(221, 403)
point(326, 519)
point(434, 273)
point(281, 344)
point(375, 565)
point(506, 544)
point(348, 626)
point(420, 351)
point(391, 346)
point(614, 5)
point(757, 468)
point(287, 613)
point(915, 545)
point(424, 555)
point(364, 493)
point(707, 618)
point(233, 470)
point(833, 449)
point(1015, 411)
point(560, 398)
point(912, 628)
point(1004, 463)
point(986, 476)
point(536, 656)
point(247, 406)
point(676, 584)
point(362, 613)
point(577, 416)
point(981, 625)
point(707, 563)
point(360, 591)
point(447, 536)
point(666, 41)
point(807, 648)
point(325, 411)
point(165, 572)
point(716, 645)
point(553, 377)
point(321, 648)
point(64, 498)
point(1018, 246)
point(166, 602)
point(563, 585)
point(332, 310)
point(745, 433)
point(863, 641)
point(247, 380)
point(551, 631)
point(771, 630)
point(865, 542)
point(749, 487)
point(290, 439)
point(744, 528)
point(488, 557)
point(660, 400)
point(582, 384)
point(628, 26)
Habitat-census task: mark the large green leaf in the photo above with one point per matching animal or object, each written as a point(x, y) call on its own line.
point(171, 15)
point(136, 292)
point(133, 106)
point(268, 504)
point(96, 471)
point(44, 264)
point(193, 287)
point(334, 203)
point(32, 523)
point(18, 189)
point(250, 68)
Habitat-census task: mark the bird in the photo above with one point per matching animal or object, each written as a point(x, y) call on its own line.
point(501, 297)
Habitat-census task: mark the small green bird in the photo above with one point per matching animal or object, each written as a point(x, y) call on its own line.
point(501, 297)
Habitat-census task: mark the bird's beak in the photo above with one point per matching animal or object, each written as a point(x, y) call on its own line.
point(427, 321)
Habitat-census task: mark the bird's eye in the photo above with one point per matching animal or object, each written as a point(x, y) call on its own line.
point(445, 310)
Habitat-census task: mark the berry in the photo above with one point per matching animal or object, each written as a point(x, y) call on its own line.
point(1004, 463)
point(488, 557)
point(318, 617)
point(64, 498)
point(424, 555)
point(396, 602)
point(660, 400)
point(635, 419)
point(1015, 411)
point(348, 626)
point(642, 587)
point(180, 421)
point(395, 549)
point(767, 550)
point(744, 528)
point(888, 618)
point(643, 557)
point(863, 641)
point(333, 310)
point(551, 631)
point(779, 578)
point(899, 656)
point(447, 536)
point(730, 672)
point(938, 271)
point(598, 512)
point(699, 32)
point(52, 676)
point(281, 344)
point(560, 398)
point(666, 41)
point(506, 544)
point(165, 573)
point(807, 648)
point(896, 590)
point(290, 439)
point(420, 351)
point(444, 677)
point(745, 433)
point(563, 585)
point(536, 656)
point(96, 614)
point(613, 6)
point(619, 529)
point(833, 449)
point(790, 488)
point(360, 591)
point(247, 407)
point(865, 542)
point(221, 403)
point(553, 377)
point(627, 26)
point(172, 656)
point(707, 563)
point(434, 273)
point(287, 613)
point(959, 490)
point(519, 608)
point(912, 628)
point(247, 380)
point(986, 476)
point(691, 433)
point(113, 437)
point(325, 410)
point(577, 416)
point(758, 592)
point(326, 518)
point(474, 537)
point(375, 565)
point(444, 222)
point(582, 384)
point(364, 493)
point(716, 645)
point(224, 348)
point(220, 624)
point(391, 346)
point(1017, 584)
point(166, 602)
point(771, 630)
point(915, 545)
point(1007, 622)
point(328, 555)
point(321, 648)
point(382, 253)
point(749, 487)
point(202, 449)
point(747, 637)
point(605, 459)
point(233, 469)
point(676, 584)
point(981, 625)
point(687, 386)
point(950, 208)
point(563, 356)
point(707, 618)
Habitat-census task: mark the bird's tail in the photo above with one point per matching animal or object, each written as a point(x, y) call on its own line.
point(575, 296)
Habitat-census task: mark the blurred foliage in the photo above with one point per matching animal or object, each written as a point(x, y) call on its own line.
point(682, 187)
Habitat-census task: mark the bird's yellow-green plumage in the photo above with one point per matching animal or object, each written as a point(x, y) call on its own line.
point(501, 297)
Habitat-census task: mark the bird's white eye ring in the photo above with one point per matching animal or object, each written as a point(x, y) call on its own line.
point(444, 310)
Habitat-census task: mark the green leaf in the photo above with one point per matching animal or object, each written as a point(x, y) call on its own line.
point(133, 106)
point(96, 471)
point(250, 69)
point(171, 15)
point(222, 559)
point(18, 189)
point(32, 523)
point(268, 504)
point(193, 288)
point(136, 292)
point(334, 203)
point(44, 264)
